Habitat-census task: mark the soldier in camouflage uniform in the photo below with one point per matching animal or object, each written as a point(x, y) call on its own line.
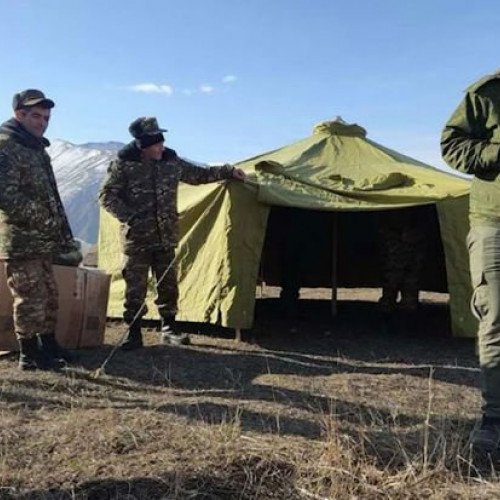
point(140, 190)
point(402, 251)
point(33, 228)
point(470, 142)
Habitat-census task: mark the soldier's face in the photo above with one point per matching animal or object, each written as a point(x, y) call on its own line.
point(35, 119)
point(153, 152)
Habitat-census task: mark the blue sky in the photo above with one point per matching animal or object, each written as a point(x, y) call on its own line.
point(233, 78)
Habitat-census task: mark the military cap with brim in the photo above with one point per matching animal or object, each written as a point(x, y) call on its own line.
point(144, 126)
point(31, 97)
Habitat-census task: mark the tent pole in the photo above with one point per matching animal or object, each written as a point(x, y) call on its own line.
point(334, 264)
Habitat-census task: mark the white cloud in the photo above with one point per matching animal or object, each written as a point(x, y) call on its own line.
point(206, 89)
point(229, 79)
point(156, 88)
point(152, 88)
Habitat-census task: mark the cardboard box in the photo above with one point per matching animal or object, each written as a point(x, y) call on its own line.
point(83, 301)
point(97, 284)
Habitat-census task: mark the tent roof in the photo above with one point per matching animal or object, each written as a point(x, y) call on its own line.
point(338, 168)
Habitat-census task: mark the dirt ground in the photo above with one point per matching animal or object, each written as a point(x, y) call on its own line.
point(306, 407)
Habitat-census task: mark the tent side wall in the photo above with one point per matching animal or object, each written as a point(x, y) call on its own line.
point(247, 221)
point(453, 221)
point(218, 259)
point(110, 257)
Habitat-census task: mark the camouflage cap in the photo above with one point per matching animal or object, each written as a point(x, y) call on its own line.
point(31, 97)
point(145, 125)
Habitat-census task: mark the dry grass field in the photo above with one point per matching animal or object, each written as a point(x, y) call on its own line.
point(302, 409)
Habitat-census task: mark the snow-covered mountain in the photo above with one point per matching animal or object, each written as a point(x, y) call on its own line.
point(80, 170)
point(103, 146)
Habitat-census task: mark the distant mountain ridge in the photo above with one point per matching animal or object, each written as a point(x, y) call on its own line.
point(103, 146)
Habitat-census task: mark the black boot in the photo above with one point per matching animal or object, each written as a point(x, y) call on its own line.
point(170, 333)
point(51, 347)
point(32, 357)
point(134, 337)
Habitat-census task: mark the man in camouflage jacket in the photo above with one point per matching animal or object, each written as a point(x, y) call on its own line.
point(140, 190)
point(33, 228)
point(402, 241)
point(470, 143)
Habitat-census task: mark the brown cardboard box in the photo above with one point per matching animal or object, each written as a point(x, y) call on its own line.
point(83, 300)
point(7, 338)
point(95, 307)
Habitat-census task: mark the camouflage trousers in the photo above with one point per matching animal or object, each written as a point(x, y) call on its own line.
point(34, 290)
point(135, 273)
point(402, 264)
point(484, 253)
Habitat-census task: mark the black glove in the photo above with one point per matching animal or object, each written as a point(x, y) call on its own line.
point(70, 254)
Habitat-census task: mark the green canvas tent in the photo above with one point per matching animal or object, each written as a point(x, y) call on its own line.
point(335, 172)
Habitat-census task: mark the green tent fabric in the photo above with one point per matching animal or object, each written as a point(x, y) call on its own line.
point(336, 169)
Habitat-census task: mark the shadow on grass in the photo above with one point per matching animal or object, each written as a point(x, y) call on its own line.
point(246, 420)
point(204, 366)
point(360, 332)
point(245, 478)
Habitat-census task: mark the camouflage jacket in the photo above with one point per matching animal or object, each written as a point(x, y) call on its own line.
point(33, 222)
point(470, 143)
point(142, 195)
